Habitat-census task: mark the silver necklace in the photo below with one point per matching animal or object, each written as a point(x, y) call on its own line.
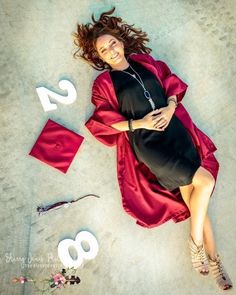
point(145, 91)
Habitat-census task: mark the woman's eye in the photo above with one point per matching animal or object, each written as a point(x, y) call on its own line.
point(105, 50)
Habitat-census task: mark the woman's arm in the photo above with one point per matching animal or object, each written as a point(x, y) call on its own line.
point(124, 125)
point(172, 100)
point(147, 124)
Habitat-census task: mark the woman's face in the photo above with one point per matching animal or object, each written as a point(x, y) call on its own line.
point(110, 49)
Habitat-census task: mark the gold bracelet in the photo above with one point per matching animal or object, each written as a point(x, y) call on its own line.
point(172, 99)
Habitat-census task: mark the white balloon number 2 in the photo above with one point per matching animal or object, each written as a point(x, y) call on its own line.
point(64, 245)
point(44, 94)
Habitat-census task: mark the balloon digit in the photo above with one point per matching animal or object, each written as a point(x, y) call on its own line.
point(63, 249)
point(44, 94)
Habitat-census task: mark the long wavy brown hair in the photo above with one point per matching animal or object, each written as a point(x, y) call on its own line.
point(86, 36)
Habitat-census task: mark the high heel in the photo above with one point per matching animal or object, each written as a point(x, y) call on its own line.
point(199, 257)
point(219, 273)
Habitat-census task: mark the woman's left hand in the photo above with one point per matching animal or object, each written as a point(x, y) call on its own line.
point(163, 117)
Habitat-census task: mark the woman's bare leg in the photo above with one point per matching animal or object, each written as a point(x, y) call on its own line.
point(223, 281)
point(203, 183)
point(208, 238)
point(208, 235)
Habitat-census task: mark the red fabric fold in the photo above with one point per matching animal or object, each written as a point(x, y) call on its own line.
point(172, 84)
point(142, 196)
point(103, 117)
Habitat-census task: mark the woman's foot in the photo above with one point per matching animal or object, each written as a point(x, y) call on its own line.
point(219, 273)
point(199, 257)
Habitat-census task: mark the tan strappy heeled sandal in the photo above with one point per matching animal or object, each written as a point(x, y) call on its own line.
point(199, 257)
point(219, 273)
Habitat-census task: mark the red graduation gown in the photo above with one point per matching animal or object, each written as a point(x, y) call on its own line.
point(142, 196)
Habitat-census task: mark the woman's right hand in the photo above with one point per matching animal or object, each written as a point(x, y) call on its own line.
point(149, 121)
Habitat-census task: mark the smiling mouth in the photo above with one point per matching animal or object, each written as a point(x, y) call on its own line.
point(114, 57)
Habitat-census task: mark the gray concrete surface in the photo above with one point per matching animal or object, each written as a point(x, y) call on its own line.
point(197, 40)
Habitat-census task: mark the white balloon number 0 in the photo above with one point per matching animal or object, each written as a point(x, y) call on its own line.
point(64, 254)
point(44, 94)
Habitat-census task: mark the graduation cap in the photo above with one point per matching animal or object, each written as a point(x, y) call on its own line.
point(56, 146)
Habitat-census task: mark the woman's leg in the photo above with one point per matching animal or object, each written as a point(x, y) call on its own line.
point(222, 279)
point(203, 183)
point(208, 236)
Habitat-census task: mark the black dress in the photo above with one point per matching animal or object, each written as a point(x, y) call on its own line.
point(170, 155)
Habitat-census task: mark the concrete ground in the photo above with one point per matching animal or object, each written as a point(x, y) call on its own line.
point(197, 40)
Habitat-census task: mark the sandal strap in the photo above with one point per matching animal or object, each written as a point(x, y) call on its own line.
point(219, 273)
point(198, 255)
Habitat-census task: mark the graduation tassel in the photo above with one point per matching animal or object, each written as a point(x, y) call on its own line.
point(64, 204)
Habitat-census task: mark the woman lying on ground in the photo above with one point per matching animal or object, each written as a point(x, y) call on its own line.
point(165, 164)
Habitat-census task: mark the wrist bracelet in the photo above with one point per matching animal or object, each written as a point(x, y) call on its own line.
point(172, 99)
point(130, 125)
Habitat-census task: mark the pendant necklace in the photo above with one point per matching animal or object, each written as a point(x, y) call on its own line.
point(145, 91)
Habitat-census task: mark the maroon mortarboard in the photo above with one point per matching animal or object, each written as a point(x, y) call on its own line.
point(56, 146)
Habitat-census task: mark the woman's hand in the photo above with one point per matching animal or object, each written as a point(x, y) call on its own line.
point(158, 119)
point(164, 117)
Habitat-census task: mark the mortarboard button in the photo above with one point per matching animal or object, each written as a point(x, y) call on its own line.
point(56, 146)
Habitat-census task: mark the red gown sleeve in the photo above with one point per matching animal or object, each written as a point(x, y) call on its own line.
point(172, 84)
point(99, 124)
